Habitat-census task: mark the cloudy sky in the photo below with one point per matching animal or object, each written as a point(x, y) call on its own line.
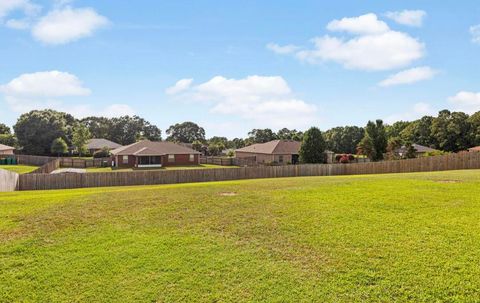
point(236, 65)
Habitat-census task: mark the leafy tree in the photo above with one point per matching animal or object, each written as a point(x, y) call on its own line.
point(185, 132)
point(474, 121)
point(59, 147)
point(367, 147)
point(289, 134)
point(313, 146)
point(393, 144)
point(237, 143)
point(37, 129)
point(411, 152)
point(215, 149)
point(99, 127)
point(451, 131)
point(419, 132)
point(396, 128)
point(218, 140)
point(261, 135)
point(81, 135)
point(8, 139)
point(197, 145)
point(103, 153)
point(375, 134)
point(4, 130)
point(344, 140)
point(127, 130)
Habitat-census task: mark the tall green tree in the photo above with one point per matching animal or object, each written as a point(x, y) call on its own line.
point(375, 132)
point(289, 134)
point(344, 140)
point(4, 130)
point(81, 135)
point(366, 147)
point(127, 130)
point(396, 128)
point(9, 140)
point(185, 132)
point(59, 147)
point(261, 135)
point(452, 131)
point(313, 146)
point(474, 121)
point(37, 129)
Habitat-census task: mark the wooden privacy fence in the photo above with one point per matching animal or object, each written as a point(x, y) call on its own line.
point(227, 161)
point(61, 181)
point(47, 167)
point(64, 162)
point(8, 180)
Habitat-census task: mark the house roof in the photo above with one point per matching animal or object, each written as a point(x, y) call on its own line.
point(101, 143)
point(6, 147)
point(473, 149)
point(152, 148)
point(276, 147)
point(418, 148)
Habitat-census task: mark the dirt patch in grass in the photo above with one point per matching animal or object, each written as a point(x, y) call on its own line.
point(448, 181)
point(228, 194)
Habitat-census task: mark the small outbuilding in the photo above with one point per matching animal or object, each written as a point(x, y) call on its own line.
point(6, 150)
point(144, 154)
point(94, 145)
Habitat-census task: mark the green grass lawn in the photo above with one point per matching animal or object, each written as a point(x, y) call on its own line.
point(378, 238)
point(19, 169)
point(201, 166)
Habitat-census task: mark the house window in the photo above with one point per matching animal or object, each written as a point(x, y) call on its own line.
point(280, 159)
point(192, 158)
point(171, 158)
point(125, 159)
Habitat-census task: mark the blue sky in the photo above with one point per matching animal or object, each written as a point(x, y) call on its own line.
point(237, 65)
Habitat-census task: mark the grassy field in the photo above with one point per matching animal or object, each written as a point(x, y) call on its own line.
point(19, 169)
point(201, 166)
point(379, 238)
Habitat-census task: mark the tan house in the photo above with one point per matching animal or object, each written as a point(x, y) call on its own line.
point(147, 153)
point(420, 150)
point(6, 150)
point(94, 145)
point(276, 151)
point(474, 149)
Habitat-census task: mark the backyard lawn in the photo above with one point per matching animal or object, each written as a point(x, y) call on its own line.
point(377, 238)
point(20, 169)
point(201, 166)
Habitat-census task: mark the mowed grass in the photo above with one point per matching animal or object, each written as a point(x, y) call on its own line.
point(379, 238)
point(19, 169)
point(200, 166)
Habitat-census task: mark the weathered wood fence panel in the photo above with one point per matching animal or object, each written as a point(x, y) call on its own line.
point(33, 160)
point(47, 167)
point(8, 180)
point(58, 181)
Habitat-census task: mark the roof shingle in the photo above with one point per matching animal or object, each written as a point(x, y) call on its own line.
point(153, 148)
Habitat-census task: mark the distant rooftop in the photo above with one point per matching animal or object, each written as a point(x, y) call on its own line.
point(278, 147)
point(101, 143)
point(153, 148)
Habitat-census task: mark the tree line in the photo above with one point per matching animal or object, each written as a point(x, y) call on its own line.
point(46, 132)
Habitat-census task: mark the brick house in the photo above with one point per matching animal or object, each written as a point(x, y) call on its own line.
point(147, 153)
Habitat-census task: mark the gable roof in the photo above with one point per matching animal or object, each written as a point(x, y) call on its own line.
point(275, 147)
point(153, 148)
point(101, 143)
point(6, 147)
point(418, 148)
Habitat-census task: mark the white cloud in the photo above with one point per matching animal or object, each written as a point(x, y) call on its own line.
point(18, 23)
point(9, 6)
point(180, 86)
point(285, 49)
point(409, 76)
point(408, 17)
point(417, 111)
point(475, 32)
point(67, 24)
point(48, 89)
point(464, 101)
point(365, 24)
point(385, 51)
point(266, 101)
point(375, 46)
